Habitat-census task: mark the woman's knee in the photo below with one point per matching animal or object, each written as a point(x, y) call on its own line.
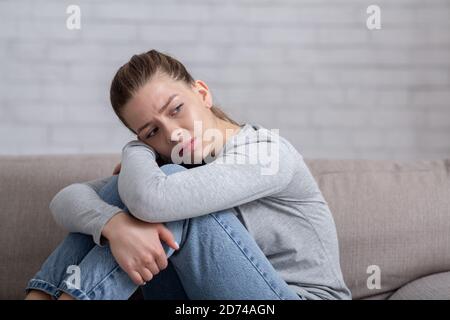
point(111, 187)
point(172, 168)
point(110, 192)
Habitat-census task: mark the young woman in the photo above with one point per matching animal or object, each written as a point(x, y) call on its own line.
point(219, 226)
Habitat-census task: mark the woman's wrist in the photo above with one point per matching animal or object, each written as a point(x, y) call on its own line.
point(111, 225)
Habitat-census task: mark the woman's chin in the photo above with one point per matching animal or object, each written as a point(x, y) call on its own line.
point(196, 156)
point(191, 158)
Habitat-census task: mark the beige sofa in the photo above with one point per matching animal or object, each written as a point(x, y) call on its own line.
point(392, 217)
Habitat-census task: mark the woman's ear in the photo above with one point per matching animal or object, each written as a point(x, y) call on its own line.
point(205, 95)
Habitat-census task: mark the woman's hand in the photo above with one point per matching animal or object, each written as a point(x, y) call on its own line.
point(136, 246)
point(117, 168)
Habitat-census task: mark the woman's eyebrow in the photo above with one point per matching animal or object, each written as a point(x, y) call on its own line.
point(164, 107)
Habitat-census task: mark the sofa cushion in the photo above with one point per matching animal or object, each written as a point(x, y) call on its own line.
point(390, 214)
point(433, 287)
point(28, 233)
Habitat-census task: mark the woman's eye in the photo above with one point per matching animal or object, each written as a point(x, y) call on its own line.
point(149, 135)
point(178, 108)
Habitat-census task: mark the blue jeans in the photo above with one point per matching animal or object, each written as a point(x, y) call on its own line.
point(217, 259)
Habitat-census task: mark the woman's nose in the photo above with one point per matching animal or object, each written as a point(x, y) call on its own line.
point(174, 134)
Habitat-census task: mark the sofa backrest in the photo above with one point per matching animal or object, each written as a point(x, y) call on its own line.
point(391, 215)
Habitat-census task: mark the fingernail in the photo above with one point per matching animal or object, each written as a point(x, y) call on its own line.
point(178, 246)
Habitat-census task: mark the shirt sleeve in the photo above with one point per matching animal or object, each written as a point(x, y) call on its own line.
point(153, 196)
point(79, 208)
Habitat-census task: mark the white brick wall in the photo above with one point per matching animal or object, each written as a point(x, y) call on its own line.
point(308, 67)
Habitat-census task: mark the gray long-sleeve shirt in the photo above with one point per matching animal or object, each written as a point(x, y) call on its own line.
point(258, 174)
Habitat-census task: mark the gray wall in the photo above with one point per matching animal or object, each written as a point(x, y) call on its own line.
point(308, 67)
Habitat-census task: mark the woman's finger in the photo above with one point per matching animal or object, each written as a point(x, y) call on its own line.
point(161, 260)
point(146, 274)
point(153, 267)
point(136, 278)
point(167, 236)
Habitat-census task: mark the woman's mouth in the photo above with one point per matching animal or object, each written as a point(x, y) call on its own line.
point(188, 146)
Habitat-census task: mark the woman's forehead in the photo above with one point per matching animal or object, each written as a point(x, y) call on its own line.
point(157, 91)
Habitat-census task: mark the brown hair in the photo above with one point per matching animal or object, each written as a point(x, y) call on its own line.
point(139, 70)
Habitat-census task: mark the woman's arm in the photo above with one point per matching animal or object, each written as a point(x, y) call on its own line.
point(136, 245)
point(79, 208)
point(152, 196)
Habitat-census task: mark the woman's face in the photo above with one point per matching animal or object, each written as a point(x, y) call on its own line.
point(162, 113)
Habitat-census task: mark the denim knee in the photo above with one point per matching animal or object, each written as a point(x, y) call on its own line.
point(110, 193)
point(172, 168)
